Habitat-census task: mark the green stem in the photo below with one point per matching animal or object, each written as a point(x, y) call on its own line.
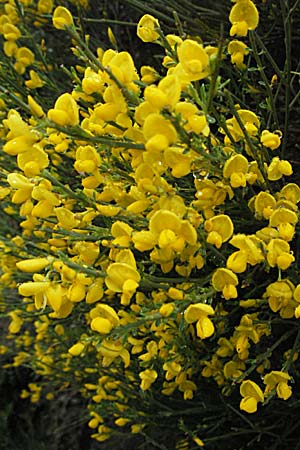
point(263, 356)
point(80, 134)
point(16, 99)
point(286, 16)
point(214, 77)
point(265, 79)
point(80, 268)
point(128, 95)
point(67, 190)
point(247, 138)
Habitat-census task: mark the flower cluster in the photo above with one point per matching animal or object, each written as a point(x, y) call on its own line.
point(155, 238)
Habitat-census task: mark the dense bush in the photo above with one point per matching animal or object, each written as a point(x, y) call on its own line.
point(149, 222)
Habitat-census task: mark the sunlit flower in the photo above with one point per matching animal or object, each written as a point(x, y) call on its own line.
point(225, 281)
point(252, 394)
point(270, 140)
point(148, 377)
point(236, 168)
point(193, 59)
point(238, 50)
point(146, 28)
point(219, 229)
point(278, 380)
point(243, 17)
point(62, 18)
point(278, 168)
point(65, 111)
point(280, 298)
point(199, 313)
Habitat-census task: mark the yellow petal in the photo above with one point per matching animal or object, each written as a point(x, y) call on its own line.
point(32, 265)
point(62, 18)
point(249, 404)
point(250, 389)
point(194, 312)
point(205, 328)
point(102, 325)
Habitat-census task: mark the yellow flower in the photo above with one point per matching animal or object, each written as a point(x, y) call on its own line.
point(250, 252)
point(33, 265)
point(66, 219)
point(158, 132)
point(178, 160)
point(76, 349)
point(224, 280)
point(146, 28)
point(95, 291)
point(110, 350)
point(16, 322)
point(278, 380)
point(149, 74)
point(20, 144)
point(162, 220)
point(11, 32)
point(243, 17)
point(87, 159)
point(104, 318)
point(62, 18)
point(33, 287)
point(280, 298)
point(92, 81)
point(252, 394)
point(291, 192)
point(122, 277)
point(282, 215)
point(199, 313)
point(24, 57)
point(219, 229)
point(237, 51)
point(198, 441)
point(45, 6)
point(279, 167)
point(121, 232)
point(35, 81)
point(122, 66)
point(148, 377)
point(236, 168)
point(193, 59)
point(55, 296)
point(65, 111)
point(166, 309)
point(279, 254)
point(210, 194)
point(264, 204)
point(270, 140)
point(165, 95)
point(33, 161)
point(35, 108)
point(285, 221)
point(144, 240)
point(18, 181)
point(250, 121)
point(232, 369)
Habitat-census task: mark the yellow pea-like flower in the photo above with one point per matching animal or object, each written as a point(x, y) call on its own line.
point(252, 394)
point(62, 18)
point(33, 287)
point(65, 111)
point(146, 28)
point(76, 349)
point(33, 265)
point(102, 325)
